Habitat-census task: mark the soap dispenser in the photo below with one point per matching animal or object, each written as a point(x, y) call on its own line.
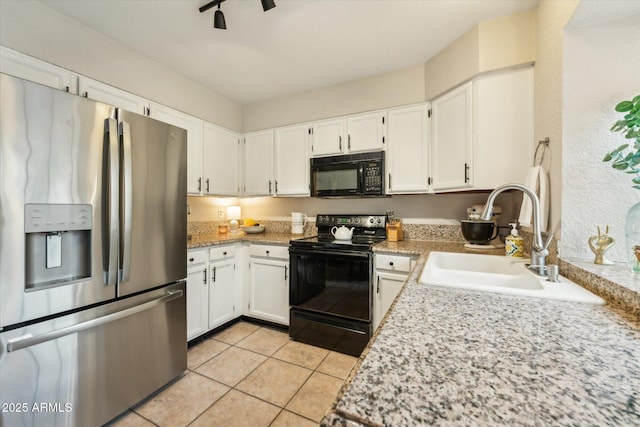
point(514, 244)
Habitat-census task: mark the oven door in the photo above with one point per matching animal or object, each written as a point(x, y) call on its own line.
point(337, 179)
point(332, 282)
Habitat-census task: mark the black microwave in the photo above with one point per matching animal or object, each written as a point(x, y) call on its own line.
point(349, 175)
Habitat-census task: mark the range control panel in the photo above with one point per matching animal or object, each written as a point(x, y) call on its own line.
point(365, 221)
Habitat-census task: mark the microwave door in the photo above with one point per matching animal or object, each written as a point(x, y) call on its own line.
point(337, 180)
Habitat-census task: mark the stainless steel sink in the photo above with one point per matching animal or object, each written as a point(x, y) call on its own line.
point(490, 273)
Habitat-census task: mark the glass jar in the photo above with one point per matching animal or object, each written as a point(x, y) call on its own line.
point(633, 237)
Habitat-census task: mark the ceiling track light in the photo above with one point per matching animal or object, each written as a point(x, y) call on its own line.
point(218, 17)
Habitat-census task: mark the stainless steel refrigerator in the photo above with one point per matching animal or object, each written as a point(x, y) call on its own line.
point(92, 257)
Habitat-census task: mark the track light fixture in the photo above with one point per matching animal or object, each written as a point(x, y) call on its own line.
point(218, 17)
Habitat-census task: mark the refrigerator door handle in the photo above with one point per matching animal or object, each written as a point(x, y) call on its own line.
point(127, 204)
point(110, 234)
point(30, 340)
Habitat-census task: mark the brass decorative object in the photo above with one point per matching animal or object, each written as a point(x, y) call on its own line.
point(599, 244)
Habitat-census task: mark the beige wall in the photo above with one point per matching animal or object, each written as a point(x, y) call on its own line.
point(552, 16)
point(33, 29)
point(491, 45)
point(391, 89)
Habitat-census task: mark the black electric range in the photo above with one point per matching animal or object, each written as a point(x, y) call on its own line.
point(331, 282)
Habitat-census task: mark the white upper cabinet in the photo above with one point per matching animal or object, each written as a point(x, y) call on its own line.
point(451, 143)
point(194, 127)
point(221, 161)
point(407, 159)
point(365, 132)
point(503, 121)
point(258, 163)
point(291, 160)
point(328, 137)
point(101, 92)
point(32, 69)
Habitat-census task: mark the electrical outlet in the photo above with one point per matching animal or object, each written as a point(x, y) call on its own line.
point(220, 213)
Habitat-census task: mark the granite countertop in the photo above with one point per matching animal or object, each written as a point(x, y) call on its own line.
point(454, 357)
point(203, 240)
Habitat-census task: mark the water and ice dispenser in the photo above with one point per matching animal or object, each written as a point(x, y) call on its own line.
point(58, 244)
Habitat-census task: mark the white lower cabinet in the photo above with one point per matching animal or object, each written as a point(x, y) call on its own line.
point(391, 273)
point(212, 287)
point(222, 285)
point(197, 293)
point(269, 283)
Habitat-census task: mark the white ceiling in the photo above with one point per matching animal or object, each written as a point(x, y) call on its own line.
point(299, 45)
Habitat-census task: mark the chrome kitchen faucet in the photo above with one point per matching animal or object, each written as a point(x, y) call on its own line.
point(539, 250)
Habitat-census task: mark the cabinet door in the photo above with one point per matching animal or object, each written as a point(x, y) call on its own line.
point(258, 163)
point(101, 92)
point(194, 127)
point(221, 161)
point(197, 301)
point(365, 132)
point(388, 286)
point(451, 141)
point(328, 137)
point(503, 123)
point(291, 158)
point(221, 292)
point(269, 290)
point(29, 68)
point(407, 159)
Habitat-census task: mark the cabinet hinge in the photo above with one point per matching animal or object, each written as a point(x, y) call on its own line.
point(429, 113)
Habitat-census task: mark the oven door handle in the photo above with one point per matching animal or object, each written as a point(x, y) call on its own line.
point(356, 254)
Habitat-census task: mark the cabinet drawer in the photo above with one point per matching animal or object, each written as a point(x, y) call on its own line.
point(221, 252)
point(198, 256)
point(393, 263)
point(269, 251)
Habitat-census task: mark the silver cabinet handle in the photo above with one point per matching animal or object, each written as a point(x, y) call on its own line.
point(127, 201)
point(269, 186)
point(204, 280)
point(285, 273)
point(276, 186)
point(29, 340)
point(207, 182)
point(349, 142)
point(378, 286)
point(200, 184)
point(111, 200)
point(389, 181)
point(340, 142)
point(213, 277)
point(466, 172)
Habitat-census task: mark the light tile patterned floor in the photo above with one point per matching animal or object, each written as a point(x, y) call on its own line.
point(247, 375)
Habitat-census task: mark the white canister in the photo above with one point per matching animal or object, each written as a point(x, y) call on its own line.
point(298, 221)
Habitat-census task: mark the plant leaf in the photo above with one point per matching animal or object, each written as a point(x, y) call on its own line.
point(624, 106)
point(620, 166)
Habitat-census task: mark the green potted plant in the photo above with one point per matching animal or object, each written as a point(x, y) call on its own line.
point(629, 126)
point(626, 158)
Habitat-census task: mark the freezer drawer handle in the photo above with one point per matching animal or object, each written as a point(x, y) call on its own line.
point(30, 340)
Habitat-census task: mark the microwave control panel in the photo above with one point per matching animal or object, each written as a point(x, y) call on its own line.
point(373, 177)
